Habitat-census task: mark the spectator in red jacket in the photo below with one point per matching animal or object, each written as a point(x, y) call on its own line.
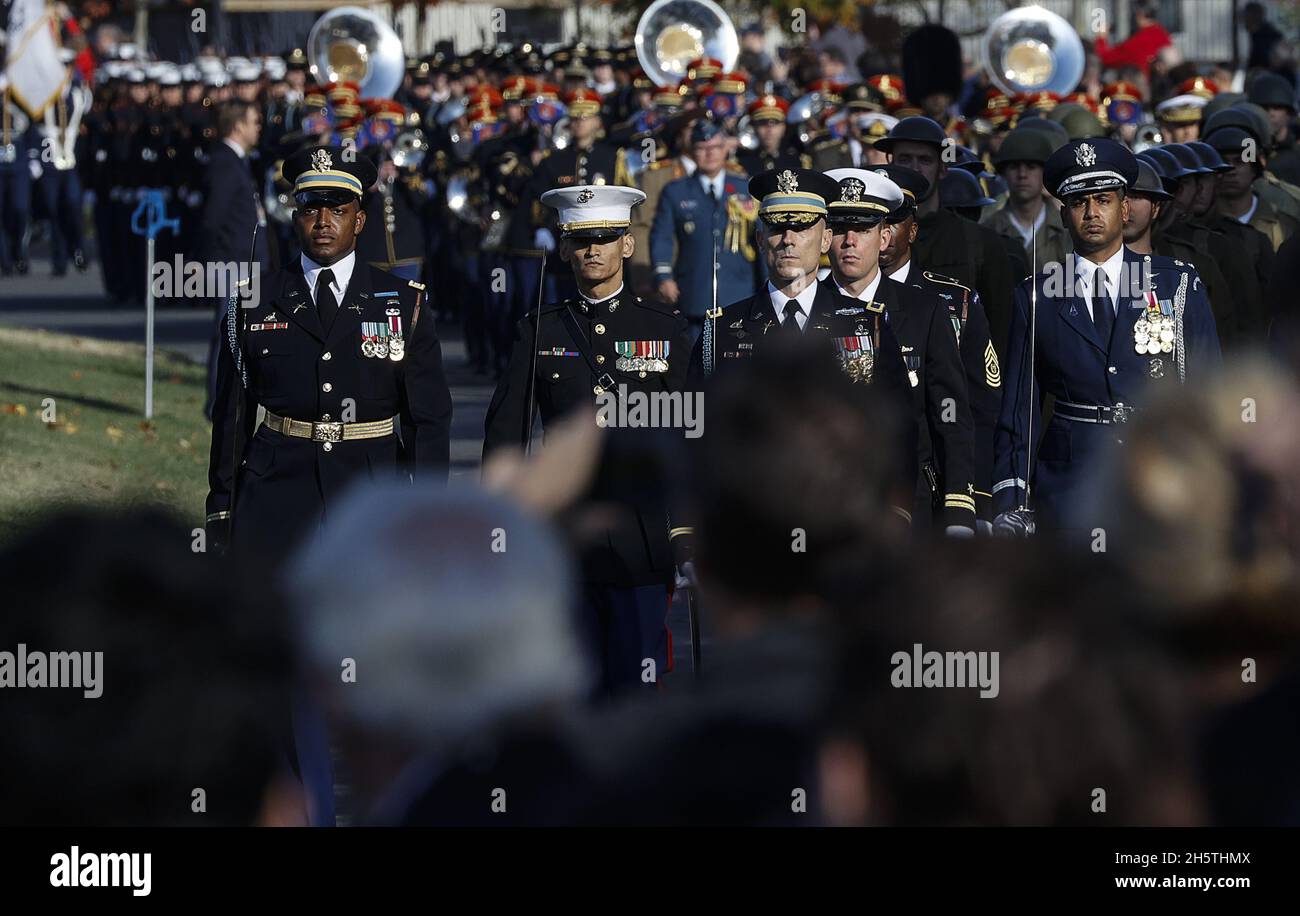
point(1140, 48)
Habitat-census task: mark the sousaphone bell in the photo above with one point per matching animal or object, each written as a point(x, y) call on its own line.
point(1031, 49)
point(672, 33)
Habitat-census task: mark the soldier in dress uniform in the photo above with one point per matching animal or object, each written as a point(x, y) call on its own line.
point(942, 410)
point(767, 115)
point(1115, 324)
point(1243, 253)
point(865, 123)
point(396, 207)
point(966, 312)
point(608, 343)
point(1149, 198)
point(16, 147)
point(587, 160)
point(59, 183)
point(672, 160)
point(793, 235)
point(947, 244)
point(344, 361)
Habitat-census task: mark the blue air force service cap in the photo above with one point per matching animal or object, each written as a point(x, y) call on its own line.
point(594, 210)
point(1088, 166)
point(320, 174)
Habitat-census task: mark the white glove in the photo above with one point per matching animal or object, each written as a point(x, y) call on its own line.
point(685, 575)
point(544, 240)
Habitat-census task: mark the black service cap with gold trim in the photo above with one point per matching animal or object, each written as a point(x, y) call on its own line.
point(322, 173)
point(793, 197)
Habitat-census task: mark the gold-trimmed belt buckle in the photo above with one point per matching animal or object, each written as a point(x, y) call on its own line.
point(327, 432)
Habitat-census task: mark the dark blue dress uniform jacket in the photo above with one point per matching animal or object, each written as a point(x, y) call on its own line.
point(833, 314)
point(1075, 365)
point(634, 550)
point(276, 486)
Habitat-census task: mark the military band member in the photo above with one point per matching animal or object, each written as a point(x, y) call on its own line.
point(946, 243)
point(16, 165)
point(603, 343)
point(865, 123)
point(945, 485)
point(966, 312)
point(345, 363)
point(767, 115)
point(587, 160)
point(1114, 324)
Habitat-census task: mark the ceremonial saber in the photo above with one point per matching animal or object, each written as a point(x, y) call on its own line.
point(527, 432)
point(693, 620)
point(1033, 335)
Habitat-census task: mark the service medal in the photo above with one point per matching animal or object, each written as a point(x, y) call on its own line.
point(381, 349)
point(368, 347)
point(396, 348)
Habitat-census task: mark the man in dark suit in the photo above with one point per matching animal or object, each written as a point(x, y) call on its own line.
point(624, 350)
point(945, 486)
point(1115, 326)
point(232, 229)
point(345, 361)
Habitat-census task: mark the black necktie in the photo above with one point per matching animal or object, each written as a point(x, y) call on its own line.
point(1102, 310)
point(790, 321)
point(326, 304)
point(713, 192)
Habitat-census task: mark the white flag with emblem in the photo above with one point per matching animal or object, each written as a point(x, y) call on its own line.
point(35, 73)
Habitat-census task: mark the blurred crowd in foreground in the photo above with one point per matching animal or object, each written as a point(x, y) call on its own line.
point(429, 636)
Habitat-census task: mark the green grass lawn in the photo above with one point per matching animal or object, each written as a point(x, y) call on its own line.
point(94, 446)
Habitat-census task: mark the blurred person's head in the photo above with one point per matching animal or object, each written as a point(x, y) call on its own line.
point(709, 146)
point(1144, 13)
point(793, 485)
point(1008, 692)
point(453, 609)
point(191, 686)
point(1206, 488)
point(240, 122)
point(1253, 16)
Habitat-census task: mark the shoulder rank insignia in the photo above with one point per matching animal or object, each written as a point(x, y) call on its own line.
point(875, 307)
point(415, 284)
point(940, 278)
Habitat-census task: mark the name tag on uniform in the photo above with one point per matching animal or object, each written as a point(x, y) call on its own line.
point(272, 326)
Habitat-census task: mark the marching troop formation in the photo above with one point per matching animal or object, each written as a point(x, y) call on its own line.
point(1012, 271)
